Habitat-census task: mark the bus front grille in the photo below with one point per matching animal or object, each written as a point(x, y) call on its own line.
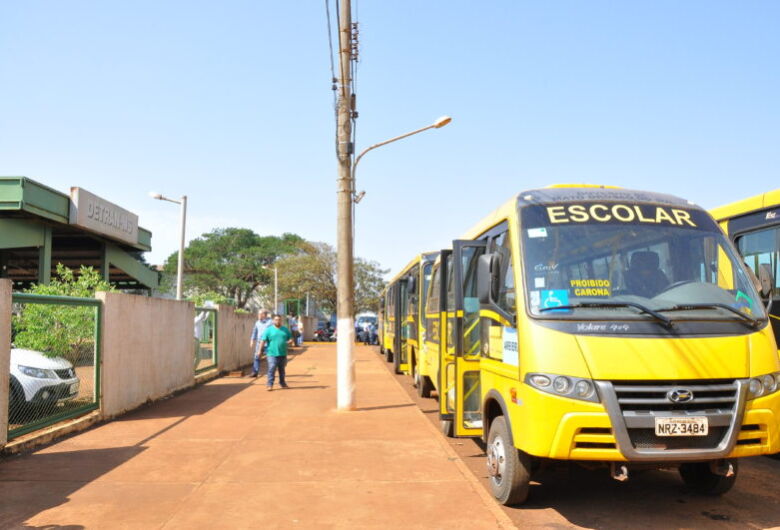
point(640, 403)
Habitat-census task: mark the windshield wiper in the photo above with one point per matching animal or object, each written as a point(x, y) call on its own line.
point(661, 319)
point(752, 322)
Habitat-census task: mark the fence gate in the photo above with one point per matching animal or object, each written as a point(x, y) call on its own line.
point(55, 360)
point(205, 339)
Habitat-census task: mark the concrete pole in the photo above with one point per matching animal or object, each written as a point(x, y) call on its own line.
point(345, 363)
point(180, 267)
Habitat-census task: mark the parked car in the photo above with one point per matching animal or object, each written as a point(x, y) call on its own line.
point(40, 380)
point(365, 328)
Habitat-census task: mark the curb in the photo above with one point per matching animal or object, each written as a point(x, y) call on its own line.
point(502, 519)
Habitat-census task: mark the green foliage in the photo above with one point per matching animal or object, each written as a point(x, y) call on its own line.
point(232, 262)
point(313, 271)
point(369, 283)
point(60, 330)
point(200, 299)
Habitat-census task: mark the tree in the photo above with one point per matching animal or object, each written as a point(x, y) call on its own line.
point(313, 272)
point(369, 283)
point(232, 262)
point(61, 330)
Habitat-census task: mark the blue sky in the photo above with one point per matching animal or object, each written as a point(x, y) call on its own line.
point(230, 103)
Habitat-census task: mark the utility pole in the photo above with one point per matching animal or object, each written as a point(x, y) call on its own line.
point(345, 363)
point(180, 267)
point(276, 290)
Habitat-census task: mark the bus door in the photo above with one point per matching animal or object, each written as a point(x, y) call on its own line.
point(409, 318)
point(466, 336)
point(446, 370)
point(400, 355)
point(759, 245)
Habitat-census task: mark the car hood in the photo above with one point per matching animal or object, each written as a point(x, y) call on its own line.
point(36, 359)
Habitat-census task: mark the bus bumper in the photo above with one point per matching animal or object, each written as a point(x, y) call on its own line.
point(584, 431)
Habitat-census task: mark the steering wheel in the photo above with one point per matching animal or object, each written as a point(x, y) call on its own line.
point(675, 284)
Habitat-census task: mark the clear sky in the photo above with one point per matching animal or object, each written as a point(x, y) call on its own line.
point(230, 103)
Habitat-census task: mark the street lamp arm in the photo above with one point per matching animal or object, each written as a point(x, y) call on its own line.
point(391, 140)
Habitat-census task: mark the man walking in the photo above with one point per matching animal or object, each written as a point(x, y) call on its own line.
point(256, 341)
point(276, 338)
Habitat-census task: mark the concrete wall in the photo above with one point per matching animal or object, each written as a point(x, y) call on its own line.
point(309, 326)
point(147, 350)
point(233, 333)
point(5, 356)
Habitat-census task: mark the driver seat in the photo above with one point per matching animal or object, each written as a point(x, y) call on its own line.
point(644, 277)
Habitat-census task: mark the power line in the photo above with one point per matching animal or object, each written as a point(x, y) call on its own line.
point(333, 79)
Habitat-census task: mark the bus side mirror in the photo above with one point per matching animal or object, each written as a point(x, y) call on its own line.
point(489, 284)
point(488, 276)
point(766, 279)
point(411, 285)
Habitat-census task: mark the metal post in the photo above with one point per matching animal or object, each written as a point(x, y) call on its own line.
point(345, 364)
point(276, 290)
point(180, 267)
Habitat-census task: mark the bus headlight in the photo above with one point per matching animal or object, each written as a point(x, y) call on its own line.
point(564, 386)
point(763, 385)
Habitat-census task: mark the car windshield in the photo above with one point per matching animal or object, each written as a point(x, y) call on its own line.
point(627, 261)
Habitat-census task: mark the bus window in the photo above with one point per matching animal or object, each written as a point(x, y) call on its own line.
point(761, 247)
point(655, 265)
point(432, 307)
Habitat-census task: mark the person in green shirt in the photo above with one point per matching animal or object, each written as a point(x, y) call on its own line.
point(276, 338)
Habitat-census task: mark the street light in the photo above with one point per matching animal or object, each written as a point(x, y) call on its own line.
point(438, 124)
point(180, 266)
point(345, 365)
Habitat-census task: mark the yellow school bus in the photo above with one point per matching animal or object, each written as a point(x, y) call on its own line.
point(606, 326)
point(400, 313)
point(753, 225)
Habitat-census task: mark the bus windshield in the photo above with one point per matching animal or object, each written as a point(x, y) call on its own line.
point(620, 260)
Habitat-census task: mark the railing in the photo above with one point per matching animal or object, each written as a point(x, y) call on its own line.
point(205, 339)
point(55, 360)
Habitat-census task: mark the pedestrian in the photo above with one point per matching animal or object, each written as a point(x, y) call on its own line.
point(370, 333)
point(293, 323)
point(276, 338)
point(300, 332)
point(256, 341)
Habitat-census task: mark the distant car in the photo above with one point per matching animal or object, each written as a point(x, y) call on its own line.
point(363, 324)
point(39, 380)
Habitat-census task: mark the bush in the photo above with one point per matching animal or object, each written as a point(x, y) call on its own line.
point(60, 330)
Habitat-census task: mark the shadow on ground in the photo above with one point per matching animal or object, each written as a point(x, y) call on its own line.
point(33, 483)
point(567, 495)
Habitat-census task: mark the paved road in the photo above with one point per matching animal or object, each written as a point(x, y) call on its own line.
point(229, 454)
point(574, 497)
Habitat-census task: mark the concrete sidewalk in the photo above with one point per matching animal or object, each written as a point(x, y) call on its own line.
point(229, 454)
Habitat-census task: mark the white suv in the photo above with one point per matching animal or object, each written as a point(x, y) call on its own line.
point(40, 380)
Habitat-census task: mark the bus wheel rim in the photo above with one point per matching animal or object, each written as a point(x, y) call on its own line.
point(496, 460)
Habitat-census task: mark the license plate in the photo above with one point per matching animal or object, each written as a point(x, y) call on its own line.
point(693, 426)
point(74, 388)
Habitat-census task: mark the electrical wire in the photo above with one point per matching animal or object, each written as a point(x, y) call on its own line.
point(333, 79)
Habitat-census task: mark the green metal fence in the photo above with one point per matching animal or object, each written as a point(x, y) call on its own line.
point(205, 339)
point(55, 360)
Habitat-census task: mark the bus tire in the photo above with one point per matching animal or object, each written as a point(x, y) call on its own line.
point(388, 355)
point(509, 469)
point(699, 477)
point(423, 385)
point(446, 428)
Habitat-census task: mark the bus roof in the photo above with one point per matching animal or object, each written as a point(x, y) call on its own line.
point(425, 256)
point(769, 199)
point(558, 193)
